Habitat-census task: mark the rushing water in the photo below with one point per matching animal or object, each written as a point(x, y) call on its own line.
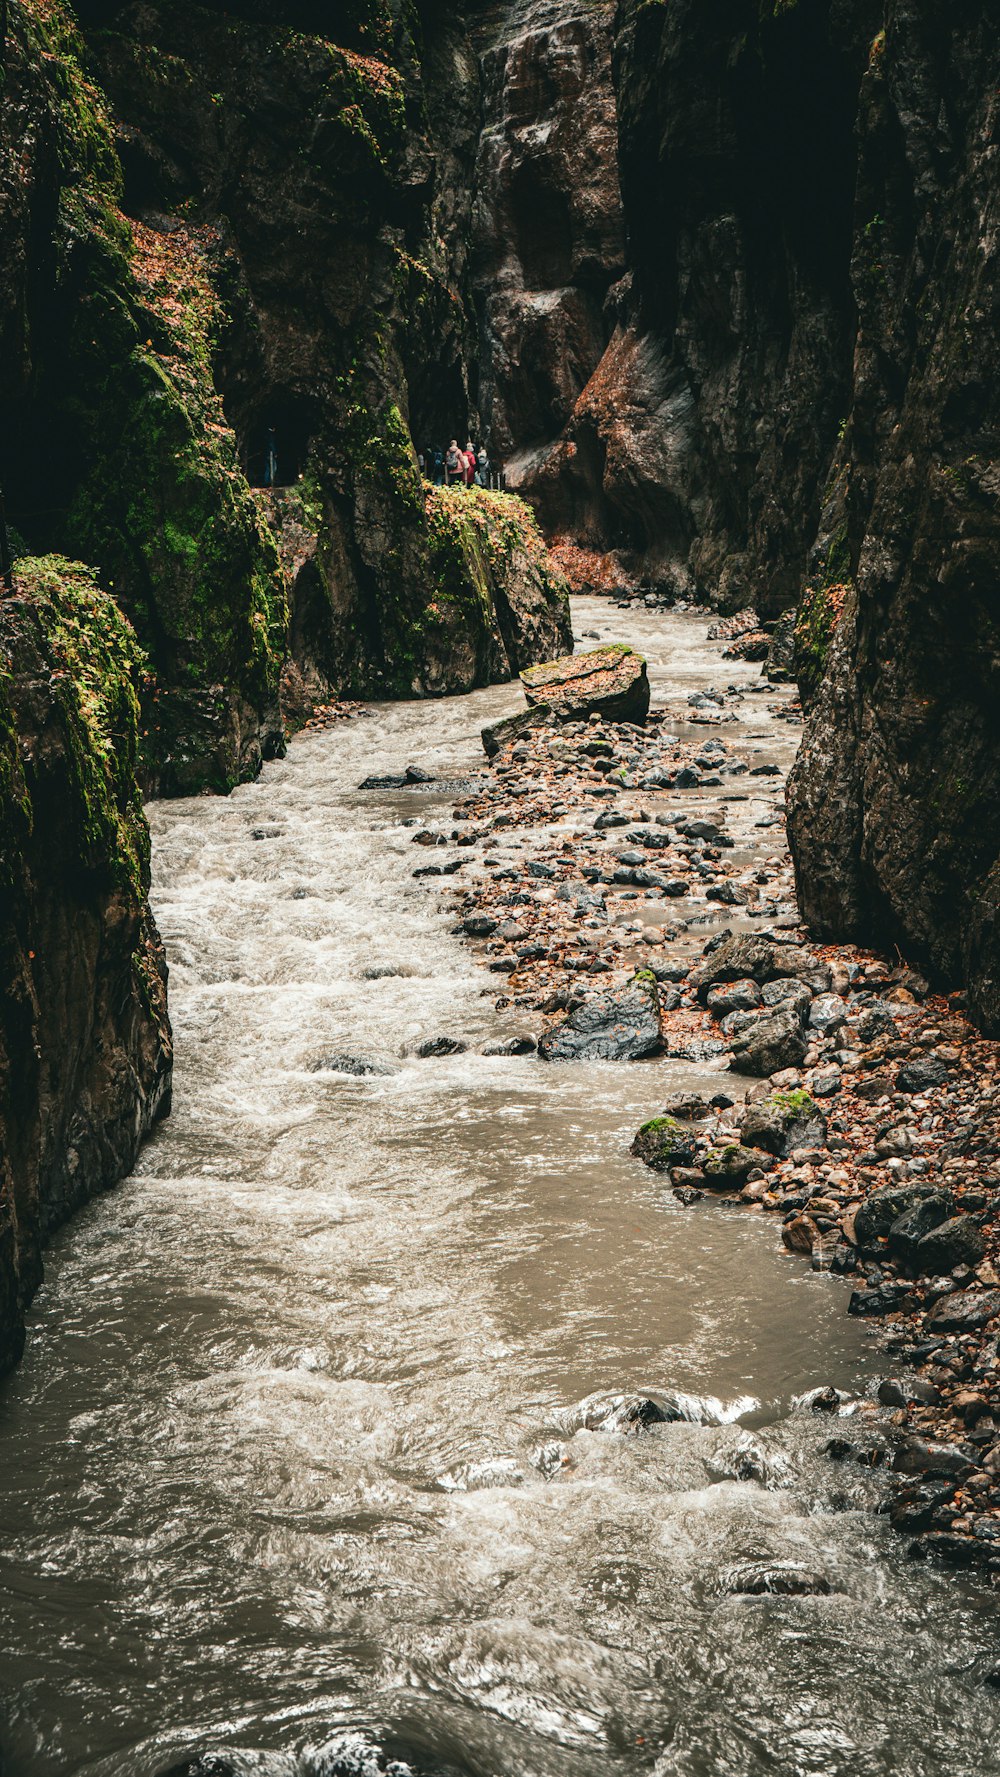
point(297, 1441)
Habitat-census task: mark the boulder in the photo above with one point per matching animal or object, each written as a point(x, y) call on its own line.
point(800, 1234)
point(922, 1074)
point(359, 1065)
point(733, 996)
point(782, 1122)
point(887, 1205)
point(440, 1046)
point(745, 956)
point(609, 681)
point(964, 1313)
point(497, 735)
point(728, 1168)
point(623, 1025)
point(907, 1231)
point(786, 991)
point(924, 1456)
point(958, 1241)
point(663, 1142)
point(775, 1040)
point(827, 1014)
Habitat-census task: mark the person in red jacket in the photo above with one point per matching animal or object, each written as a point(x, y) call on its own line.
point(470, 463)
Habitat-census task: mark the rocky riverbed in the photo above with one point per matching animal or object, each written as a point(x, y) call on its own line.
point(393, 1402)
point(633, 893)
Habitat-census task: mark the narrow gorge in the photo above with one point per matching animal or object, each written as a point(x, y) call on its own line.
point(499, 1146)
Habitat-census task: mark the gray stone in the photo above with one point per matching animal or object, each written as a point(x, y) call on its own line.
point(775, 1041)
point(620, 1026)
point(610, 681)
point(783, 1122)
point(886, 1205)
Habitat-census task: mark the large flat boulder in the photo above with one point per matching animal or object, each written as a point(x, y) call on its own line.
point(607, 681)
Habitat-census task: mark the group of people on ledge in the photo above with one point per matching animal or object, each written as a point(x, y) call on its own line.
point(456, 467)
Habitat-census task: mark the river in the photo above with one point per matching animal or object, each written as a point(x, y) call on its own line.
point(298, 1441)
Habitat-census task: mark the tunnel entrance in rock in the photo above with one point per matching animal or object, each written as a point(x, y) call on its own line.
point(275, 440)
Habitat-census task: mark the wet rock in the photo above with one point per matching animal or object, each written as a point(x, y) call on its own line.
point(906, 1232)
point(879, 1300)
point(921, 1075)
point(800, 1234)
point(525, 1045)
point(733, 996)
point(497, 735)
point(433, 1046)
point(609, 681)
point(727, 1168)
point(885, 1206)
point(750, 1460)
point(664, 1142)
point(359, 1065)
point(776, 1040)
point(958, 1241)
point(964, 1313)
point(689, 1105)
point(785, 1580)
point(478, 925)
point(623, 1025)
point(782, 1122)
point(473, 1477)
point(627, 1413)
point(947, 1546)
point(747, 956)
point(925, 1456)
point(822, 1399)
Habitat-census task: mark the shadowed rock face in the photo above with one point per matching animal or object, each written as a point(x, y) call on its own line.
point(680, 417)
point(85, 1050)
point(549, 238)
point(238, 282)
point(895, 799)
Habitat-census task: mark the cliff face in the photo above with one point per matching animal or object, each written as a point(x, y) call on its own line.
point(663, 244)
point(895, 800)
point(549, 233)
point(242, 258)
point(786, 400)
point(85, 1053)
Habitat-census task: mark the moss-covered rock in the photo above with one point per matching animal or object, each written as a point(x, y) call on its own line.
point(664, 1142)
point(780, 1122)
point(85, 1051)
point(609, 681)
point(727, 1168)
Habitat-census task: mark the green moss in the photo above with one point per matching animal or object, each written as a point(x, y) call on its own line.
point(97, 667)
point(818, 616)
point(663, 1126)
point(794, 1105)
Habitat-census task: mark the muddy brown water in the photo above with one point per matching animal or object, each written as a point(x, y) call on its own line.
point(297, 1442)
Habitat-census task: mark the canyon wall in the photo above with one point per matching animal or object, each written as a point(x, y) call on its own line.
point(894, 805)
point(85, 1052)
point(240, 256)
point(735, 275)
